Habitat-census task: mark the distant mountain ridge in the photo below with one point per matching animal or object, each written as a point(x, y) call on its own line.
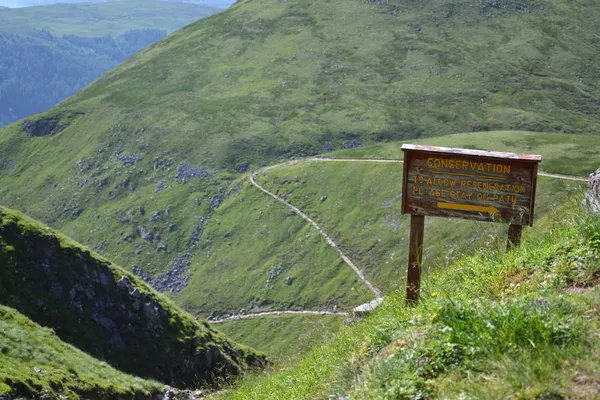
point(47, 53)
point(31, 3)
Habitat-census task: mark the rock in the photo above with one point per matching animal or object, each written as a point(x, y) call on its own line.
point(176, 278)
point(146, 235)
point(367, 308)
point(185, 172)
point(197, 202)
point(243, 168)
point(323, 198)
point(155, 217)
point(289, 281)
point(328, 147)
point(142, 210)
point(141, 273)
point(352, 144)
point(160, 187)
point(198, 232)
point(162, 247)
point(215, 202)
point(592, 198)
point(130, 159)
point(125, 284)
point(42, 127)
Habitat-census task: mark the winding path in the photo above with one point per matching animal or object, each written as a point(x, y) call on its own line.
point(277, 313)
point(295, 209)
point(540, 173)
point(344, 257)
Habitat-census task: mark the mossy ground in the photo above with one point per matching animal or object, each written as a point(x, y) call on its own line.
point(35, 362)
point(284, 338)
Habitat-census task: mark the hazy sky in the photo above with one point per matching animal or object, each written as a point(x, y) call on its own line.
point(27, 3)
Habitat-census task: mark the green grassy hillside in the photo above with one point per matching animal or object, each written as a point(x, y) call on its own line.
point(107, 312)
point(284, 338)
point(362, 215)
point(48, 53)
point(35, 363)
point(563, 153)
point(102, 18)
point(149, 164)
point(516, 325)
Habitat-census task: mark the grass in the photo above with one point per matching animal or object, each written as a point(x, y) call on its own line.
point(286, 338)
point(562, 153)
point(107, 312)
point(362, 215)
point(102, 18)
point(34, 361)
point(263, 81)
point(521, 324)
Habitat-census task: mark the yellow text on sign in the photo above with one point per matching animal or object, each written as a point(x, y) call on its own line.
point(465, 165)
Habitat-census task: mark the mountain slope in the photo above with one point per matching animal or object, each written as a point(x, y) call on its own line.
point(48, 53)
point(34, 363)
point(107, 312)
point(148, 164)
point(492, 325)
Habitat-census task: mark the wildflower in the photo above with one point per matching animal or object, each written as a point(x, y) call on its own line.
point(435, 294)
point(434, 315)
point(418, 316)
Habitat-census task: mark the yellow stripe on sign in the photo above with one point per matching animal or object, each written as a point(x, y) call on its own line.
point(468, 207)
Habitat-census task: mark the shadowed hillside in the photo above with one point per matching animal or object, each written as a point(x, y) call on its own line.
point(107, 312)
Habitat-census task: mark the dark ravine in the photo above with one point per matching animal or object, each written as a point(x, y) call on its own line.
point(107, 312)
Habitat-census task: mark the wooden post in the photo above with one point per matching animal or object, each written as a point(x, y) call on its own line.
point(514, 236)
point(415, 255)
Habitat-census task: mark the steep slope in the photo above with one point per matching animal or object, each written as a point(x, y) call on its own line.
point(48, 53)
point(35, 363)
point(107, 312)
point(492, 325)
point(147, 165)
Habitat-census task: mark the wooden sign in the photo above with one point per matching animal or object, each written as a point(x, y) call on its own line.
point(467, 184)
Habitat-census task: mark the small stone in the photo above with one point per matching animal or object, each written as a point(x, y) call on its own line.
point(592, 198)
point(289, 281)
point(323, 198)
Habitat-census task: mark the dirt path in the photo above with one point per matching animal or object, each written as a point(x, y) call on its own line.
point(275, 313)
point(295, 209)
point(540, 173)
point(347, 260)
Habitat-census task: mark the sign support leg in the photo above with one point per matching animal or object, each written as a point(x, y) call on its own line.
point(514, 236)
point(415, 255)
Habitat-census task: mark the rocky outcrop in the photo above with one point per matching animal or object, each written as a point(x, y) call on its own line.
point(592, 198)
point(42, 126)
point(48, 125)
point(106, 311)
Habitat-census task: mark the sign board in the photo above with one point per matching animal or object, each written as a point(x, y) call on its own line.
point(469, 184)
